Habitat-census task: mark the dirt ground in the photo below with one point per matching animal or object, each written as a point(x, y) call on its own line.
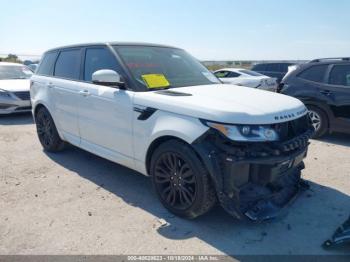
point(76, 203)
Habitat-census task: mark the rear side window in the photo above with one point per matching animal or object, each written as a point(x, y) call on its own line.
point(340, 75)
point(97, 59)
point(233, 74)
point(314, 73)
point(68, 64)
point(47, 64)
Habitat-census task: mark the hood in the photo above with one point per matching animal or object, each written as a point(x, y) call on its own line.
point(14, 85)
point(225, 103)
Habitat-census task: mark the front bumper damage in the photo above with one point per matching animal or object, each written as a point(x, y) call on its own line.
point(254, 181)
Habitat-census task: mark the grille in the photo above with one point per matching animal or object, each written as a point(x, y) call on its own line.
point(296, 143)
point(23, 95)
point(291, 129)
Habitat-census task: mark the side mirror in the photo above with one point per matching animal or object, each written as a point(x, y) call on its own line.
point(107, 77)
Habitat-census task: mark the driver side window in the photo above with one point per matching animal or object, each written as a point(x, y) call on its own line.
point(97, 59)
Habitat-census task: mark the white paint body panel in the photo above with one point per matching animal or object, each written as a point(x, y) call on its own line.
point(226, 103)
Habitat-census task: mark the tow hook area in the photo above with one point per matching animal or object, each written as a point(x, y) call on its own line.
point(341, 235)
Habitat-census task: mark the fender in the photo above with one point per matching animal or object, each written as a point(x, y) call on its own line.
point(162, 124)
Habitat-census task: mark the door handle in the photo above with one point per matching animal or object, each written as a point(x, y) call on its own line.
point(84, 92)
point(50, 85)
point(326, 92)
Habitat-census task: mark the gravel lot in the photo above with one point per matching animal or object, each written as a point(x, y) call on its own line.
point(76, 203)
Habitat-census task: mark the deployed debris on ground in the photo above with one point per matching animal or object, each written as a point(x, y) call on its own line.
point(341, 235)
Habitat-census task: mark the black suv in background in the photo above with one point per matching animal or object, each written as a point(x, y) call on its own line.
point(324, 87)
point(276, 70)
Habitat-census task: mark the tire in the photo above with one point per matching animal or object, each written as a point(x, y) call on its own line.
point(181, 181)
point(319, 120)
point(47, 131)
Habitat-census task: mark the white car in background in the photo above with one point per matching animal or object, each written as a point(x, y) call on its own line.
point(244, 77)
point(14, 88)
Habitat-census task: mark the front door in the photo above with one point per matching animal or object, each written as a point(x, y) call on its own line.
point(105, 113)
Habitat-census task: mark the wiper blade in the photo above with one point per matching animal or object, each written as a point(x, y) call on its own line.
point(161, 88)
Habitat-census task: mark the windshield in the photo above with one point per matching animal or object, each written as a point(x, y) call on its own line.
point(14, 72)
point(251, 73)
point(163, 67)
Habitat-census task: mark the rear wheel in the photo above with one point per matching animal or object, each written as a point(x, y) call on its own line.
point(319, 121)
point(47, 132)
point(181, 180)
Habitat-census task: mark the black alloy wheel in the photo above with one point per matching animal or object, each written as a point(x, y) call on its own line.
point(175, 181)
point(47, 132)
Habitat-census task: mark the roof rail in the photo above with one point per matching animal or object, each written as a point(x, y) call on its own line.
point(330, 58)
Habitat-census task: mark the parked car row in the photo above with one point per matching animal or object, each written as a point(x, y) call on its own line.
point(277, 70)
point(248, 78)
point(323, 85)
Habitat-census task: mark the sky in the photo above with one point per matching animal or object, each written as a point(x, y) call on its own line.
point(209, 30)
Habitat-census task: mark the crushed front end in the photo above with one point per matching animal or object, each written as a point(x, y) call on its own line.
point(256, 180)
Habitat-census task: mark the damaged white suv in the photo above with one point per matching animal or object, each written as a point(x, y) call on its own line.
point(157, 110)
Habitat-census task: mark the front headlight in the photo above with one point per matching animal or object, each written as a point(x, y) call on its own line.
point(248, 133)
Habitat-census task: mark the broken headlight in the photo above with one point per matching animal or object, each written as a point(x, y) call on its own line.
point(248, 133)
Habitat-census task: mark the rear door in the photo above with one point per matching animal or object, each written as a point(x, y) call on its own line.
point(105, 113)
point(65, 88)
point(338, 91)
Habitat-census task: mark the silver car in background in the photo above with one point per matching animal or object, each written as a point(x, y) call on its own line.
point(244, 77)
point(14, 88)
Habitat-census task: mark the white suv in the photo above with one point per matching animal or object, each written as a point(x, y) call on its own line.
point(157, 110)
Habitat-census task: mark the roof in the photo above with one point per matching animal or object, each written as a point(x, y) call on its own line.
point(111, 43)
point(10, 64)
point(231, 69)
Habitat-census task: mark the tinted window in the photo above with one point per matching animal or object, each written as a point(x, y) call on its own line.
point(340, 75)
point(314, 73)
point(47, 63)
point(68, 64)
point(233, 74)
point(273, 68)
point(97, 59)
point(222, 74)
point(284, 67)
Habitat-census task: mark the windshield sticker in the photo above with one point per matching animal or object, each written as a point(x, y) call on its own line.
point(210, 77)
point(155, 80)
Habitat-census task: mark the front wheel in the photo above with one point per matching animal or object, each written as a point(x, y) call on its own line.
point(181, 181)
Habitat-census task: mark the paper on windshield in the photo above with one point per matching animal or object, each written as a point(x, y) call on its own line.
point(155, 80)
